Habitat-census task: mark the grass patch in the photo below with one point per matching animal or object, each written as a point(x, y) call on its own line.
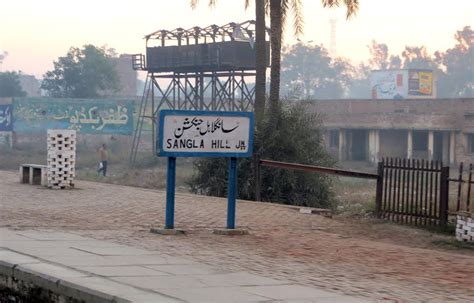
point(149, 171)
point(454, 244)
point(354, 197)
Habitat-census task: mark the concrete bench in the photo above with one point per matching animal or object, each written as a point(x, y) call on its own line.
point(33, 174)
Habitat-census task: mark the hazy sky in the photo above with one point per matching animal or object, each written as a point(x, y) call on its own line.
point(36, 32)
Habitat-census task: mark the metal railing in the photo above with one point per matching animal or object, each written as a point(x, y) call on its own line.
point(408, 191)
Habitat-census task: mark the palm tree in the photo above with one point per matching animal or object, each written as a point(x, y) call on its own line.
point(260, 58)
point(278, 12)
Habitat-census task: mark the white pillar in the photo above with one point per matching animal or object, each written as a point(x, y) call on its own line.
point(452, 148)
point(374, 145)
point(342, 144)
point(430, 145)
point(410, 144)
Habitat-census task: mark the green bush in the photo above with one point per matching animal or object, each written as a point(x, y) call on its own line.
point(291, 135)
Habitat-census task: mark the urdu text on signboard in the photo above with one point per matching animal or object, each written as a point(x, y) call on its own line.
point(205, 134)
point(6, 119)
point(91, 116)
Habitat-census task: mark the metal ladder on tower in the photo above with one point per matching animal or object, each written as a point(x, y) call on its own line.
point(141, 118)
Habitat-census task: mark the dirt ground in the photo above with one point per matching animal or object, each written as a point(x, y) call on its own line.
point(363, 257)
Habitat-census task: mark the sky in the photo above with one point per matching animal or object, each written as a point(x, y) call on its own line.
point(35, 33)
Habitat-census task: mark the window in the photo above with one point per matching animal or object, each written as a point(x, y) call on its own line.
point(334, 138)
point(470, 143)
point(420, 140)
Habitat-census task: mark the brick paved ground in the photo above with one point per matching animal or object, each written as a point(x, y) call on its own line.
point(306, 249)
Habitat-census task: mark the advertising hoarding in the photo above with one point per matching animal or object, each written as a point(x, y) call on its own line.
point(402, 84)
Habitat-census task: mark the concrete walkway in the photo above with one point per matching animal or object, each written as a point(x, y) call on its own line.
point(88, 268)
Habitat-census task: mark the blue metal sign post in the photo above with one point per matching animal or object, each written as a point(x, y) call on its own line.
point(204, 134)
point(231, 194)
point(170, 188)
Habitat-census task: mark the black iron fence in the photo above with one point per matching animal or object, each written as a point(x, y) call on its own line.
point(409, 191)
point(413, 191)
point(463, 184)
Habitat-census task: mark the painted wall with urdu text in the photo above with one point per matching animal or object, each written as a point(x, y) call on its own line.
point(91, 116)
point(6, 117)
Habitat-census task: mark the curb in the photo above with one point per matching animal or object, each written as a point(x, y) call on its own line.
point(14, 272)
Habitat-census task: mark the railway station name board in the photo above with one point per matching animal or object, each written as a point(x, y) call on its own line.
point(205, 134)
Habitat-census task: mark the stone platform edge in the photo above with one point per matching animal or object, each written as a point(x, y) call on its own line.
point(17, 278)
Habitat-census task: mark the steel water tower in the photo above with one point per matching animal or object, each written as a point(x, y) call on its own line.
point(211, 68)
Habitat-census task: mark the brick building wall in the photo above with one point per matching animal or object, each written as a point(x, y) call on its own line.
point(435, 129)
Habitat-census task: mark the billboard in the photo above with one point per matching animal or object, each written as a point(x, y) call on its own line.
point(92, 116)
point(420, 83)
point(402, 84)
point(6, 117)
point(389, 84)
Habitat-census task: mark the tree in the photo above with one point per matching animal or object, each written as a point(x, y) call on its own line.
point(82, 73)
point(359, 84)
point(279, 10)
point(380, 57)
point(458, 79)
point(298, 140)
point(417, 57)
point(279, 131)
point(10, 85)
point(260, 58)
point(309, 71)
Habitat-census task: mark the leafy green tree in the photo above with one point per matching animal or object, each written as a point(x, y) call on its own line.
point(458, 62)
point(279, 135)
point(10, 85)
point(417, 57)
point(359, 84)
point(260, 58)
point(380, 57)
point(82, 73)
point(279, 10)
point(297, 138)
point(311, 73)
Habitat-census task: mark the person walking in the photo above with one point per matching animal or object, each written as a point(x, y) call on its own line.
point(104, 155)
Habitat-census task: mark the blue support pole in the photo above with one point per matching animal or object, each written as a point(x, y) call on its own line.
point(170, 188)
point(231, 193)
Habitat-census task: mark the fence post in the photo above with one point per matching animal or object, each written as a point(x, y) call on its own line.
point(444, 196)
point(379, 189)
point(258, 178)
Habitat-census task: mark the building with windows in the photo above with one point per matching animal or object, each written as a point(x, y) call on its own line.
point(367, 130)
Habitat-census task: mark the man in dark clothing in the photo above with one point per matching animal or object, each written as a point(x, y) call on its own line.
point(104, 155)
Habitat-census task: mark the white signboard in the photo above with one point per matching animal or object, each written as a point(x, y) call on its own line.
point(205, 134)
point(402, 84)
point(389, 84)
